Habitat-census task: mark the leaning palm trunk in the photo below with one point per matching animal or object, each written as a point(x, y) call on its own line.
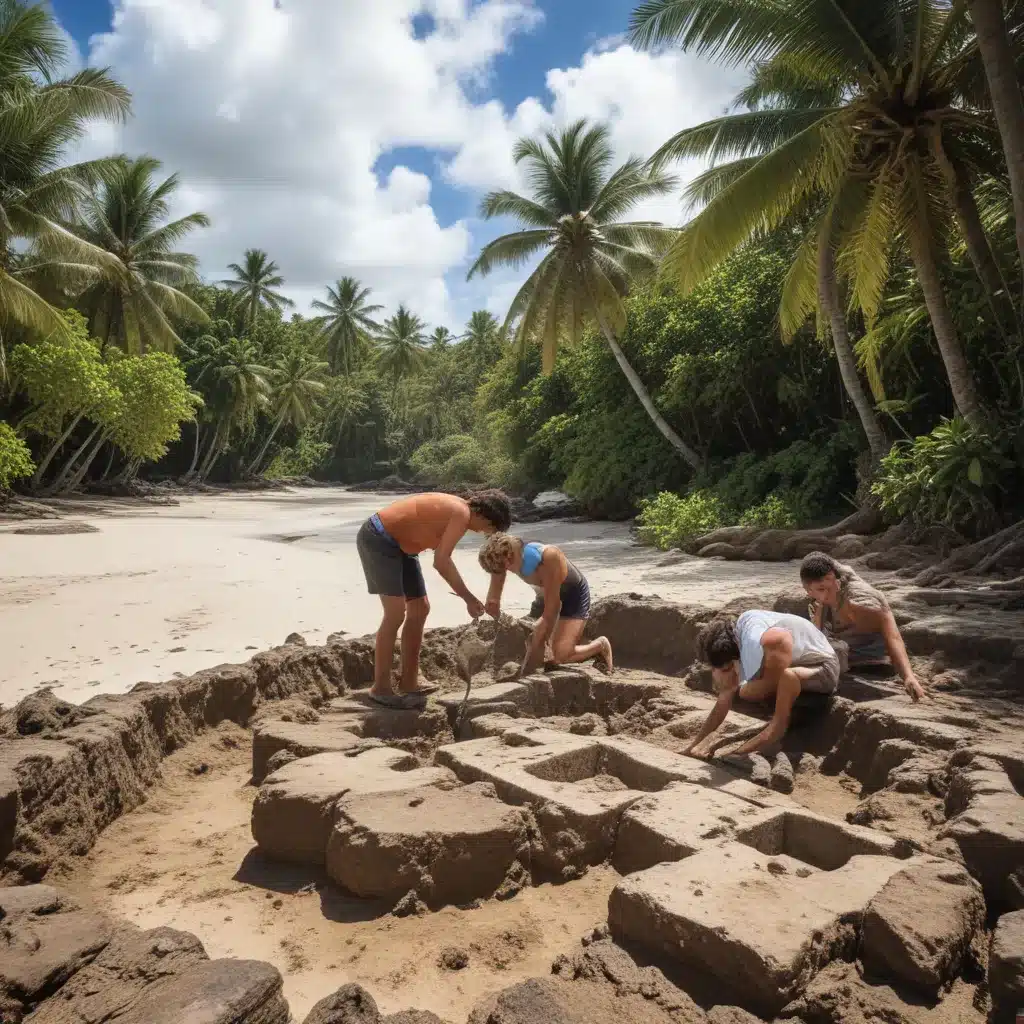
point(1007, 102)
point(79, 476)
point(978, 248)
point(195, 453)
point(828, 294)
point(44, 465)
point(67, 469)
point(961, 383)
point(211, 454)
point(691, 457)
point(263, 451)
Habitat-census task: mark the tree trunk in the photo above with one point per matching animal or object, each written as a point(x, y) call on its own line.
point(68, 466)
point(263, 451)
point(828, 295)
point(195, 454)
point(688, 454)
point(43, 466)
point(84, 468)
point(211, 454)
point(969, 221)
point(1007, 102)
point(961, 383)
point(110, 462)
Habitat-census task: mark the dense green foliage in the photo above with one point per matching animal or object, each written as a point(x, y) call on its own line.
point(810, 312)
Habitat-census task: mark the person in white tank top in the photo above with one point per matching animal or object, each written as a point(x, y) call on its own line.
point(760, 656)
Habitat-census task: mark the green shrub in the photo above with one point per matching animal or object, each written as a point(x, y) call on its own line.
point(15, 457)
point(668, 520)
point(775, 513)
point(302, 459)
point(955, 476)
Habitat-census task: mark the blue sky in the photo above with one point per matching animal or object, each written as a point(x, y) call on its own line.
point(388, 192)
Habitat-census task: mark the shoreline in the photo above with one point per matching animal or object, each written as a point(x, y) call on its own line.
point(144, 591)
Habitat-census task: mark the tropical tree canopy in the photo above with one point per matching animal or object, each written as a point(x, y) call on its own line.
point(254, 283)
point(347, 324)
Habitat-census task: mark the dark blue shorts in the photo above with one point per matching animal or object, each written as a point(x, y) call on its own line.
point(389, 571)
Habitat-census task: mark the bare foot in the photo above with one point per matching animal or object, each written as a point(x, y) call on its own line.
point(604, 658)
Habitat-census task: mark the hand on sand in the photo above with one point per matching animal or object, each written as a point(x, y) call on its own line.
point(493, 608)
point(474, 607)
point(914, 688)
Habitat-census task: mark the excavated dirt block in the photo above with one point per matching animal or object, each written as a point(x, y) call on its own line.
point(990, 829)
point(762, 925)
point(824, 843)
point(303, 739)
point(577, 691)
point(449, 846)
point(359, 715)
point(1006, 967)
point(215, 992)
point(678, 822)
point(918, 928)
point(558, 775)
point(295, 809)
point(646, 632)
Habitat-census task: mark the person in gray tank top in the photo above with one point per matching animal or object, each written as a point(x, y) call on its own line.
point(760, 656)
point(849, 609)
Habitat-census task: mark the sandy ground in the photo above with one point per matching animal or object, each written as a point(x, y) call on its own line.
point(185, 859)
point(161, 589)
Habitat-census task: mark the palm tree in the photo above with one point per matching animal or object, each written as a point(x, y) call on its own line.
point(852, 111)
point(131, 306)
point(41, 115)
point(591, 256)
point(254, 283)
point(235, 387)
point(347, 323)
point(1003, 74)
point(482, 341)
point(400, 345)
point(441, 339)
point(296, 384)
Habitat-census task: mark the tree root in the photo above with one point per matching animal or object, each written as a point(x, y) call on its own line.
point(981, 557)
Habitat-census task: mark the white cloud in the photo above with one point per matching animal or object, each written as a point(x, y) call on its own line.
point(275, 116)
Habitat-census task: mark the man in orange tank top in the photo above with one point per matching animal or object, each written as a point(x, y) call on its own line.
point(389, 543)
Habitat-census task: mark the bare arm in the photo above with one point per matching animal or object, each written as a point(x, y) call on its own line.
point(493, 603)
point(787, 692)
point(881, 620)
point(445, 565)
point(554, 570)
point(717, 716)
point(817, 610)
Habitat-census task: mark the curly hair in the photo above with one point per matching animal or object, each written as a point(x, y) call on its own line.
point(493, 506)
point(817, 565)
point(495, 550)
point(717, 645)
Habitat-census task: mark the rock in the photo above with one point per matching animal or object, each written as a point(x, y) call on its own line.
point(453, 958)
point(295, 638)
point(215, 992)
point(448, 846)
point(412, 1017)
point(731, 1015)
point(351, 1004)
point(410, 905)
point(131, 962)
point(782, 780)
point(729, 552)
point(279, 760)
point(920, 925)
point(848, 546)
point(41, 947)
point(839, 995)
point(1006, 967)
point(41, 713)
point(646, 632)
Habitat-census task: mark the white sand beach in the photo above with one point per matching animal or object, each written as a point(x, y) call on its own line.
point(163, 589)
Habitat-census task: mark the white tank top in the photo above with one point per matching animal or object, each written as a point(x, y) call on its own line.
point(810, 645)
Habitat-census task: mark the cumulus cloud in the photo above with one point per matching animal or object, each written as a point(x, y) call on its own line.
point(276, 116)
